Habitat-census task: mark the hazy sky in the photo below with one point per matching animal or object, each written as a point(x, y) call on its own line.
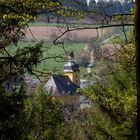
point(88, 1)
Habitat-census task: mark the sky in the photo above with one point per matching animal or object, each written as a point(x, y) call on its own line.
point(88, 1)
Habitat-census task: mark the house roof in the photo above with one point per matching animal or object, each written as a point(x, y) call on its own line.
point(60, 85)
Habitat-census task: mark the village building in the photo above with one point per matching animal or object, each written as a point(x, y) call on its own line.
point(65, 86)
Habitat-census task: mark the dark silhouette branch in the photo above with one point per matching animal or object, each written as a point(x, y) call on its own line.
point(87, 28)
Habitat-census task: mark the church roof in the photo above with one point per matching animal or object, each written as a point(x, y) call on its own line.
point(60, 85)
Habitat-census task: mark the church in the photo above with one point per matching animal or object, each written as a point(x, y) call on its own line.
point(65, 86)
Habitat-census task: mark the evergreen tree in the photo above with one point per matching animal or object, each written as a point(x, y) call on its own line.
point(48, 117)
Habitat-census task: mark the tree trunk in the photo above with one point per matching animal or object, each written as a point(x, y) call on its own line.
point(137, 37)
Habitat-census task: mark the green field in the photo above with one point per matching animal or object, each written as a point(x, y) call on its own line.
point(58, 63)
point(50, 50)
point(41, 24)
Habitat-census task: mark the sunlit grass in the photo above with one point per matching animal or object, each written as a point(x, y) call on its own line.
point(54, 56)
point(51, 24)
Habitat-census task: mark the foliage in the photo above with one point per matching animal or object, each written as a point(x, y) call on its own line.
point(47, 116)
point(13, 118)
point(115, 98)
point(14, 18)
point(15, 15)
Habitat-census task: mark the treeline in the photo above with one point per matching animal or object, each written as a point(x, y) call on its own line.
point(111, 7)
point(101, 9)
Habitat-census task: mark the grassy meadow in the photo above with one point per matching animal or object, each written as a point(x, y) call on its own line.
point(54, 56)
point(54, 51)
point(51, 24)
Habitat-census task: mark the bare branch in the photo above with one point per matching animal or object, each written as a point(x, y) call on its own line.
point(87, 28)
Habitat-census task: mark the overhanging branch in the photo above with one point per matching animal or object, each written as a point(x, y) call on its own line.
point(88, 28)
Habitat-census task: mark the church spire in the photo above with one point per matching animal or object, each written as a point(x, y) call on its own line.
point(71, 69)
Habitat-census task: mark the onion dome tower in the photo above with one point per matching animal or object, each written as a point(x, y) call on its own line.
point(71, 69)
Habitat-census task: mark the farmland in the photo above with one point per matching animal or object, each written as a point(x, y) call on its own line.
point(74, 40)
point(48, 33)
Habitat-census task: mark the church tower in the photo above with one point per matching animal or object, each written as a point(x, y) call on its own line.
point(71, 69)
